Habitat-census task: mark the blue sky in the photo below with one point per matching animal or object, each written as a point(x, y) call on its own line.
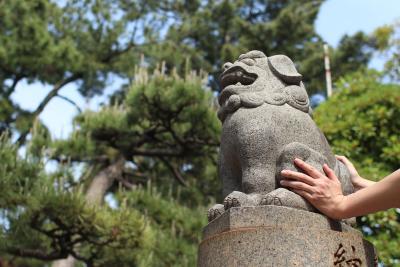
point(336, 18)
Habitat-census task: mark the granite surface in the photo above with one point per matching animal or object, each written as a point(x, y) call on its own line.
point(267, 123)
point(281, 236)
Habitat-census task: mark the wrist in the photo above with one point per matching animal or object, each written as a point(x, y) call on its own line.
point(341, 208)
point(362, 183)
point(359, 183)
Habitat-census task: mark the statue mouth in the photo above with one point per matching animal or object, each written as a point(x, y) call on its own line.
point(233, 81)
point(237, 76)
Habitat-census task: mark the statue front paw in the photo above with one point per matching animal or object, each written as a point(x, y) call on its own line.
point(215, 212)
point(239, 199)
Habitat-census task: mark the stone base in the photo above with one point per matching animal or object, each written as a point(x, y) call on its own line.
point(281, 236)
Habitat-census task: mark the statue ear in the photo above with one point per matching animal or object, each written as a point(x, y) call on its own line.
point(283, 67)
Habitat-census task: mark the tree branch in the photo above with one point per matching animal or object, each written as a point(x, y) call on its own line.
point(126, 183)
point(37, 254)
point(117, 53)
point(54, 92)
point(45, 101)
point(14, 84)
point(175, 172)
point(67, 159)
point(155, 153)
point(70, 101)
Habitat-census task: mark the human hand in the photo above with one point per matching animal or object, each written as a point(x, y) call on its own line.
point(323, 191)
point(357, 181)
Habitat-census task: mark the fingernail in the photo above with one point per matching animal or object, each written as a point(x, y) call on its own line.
point(282, 181)
point(283, 171)
point(297, 160)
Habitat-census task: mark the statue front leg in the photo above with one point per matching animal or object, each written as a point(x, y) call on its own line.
point(255, 183)
point(240, 199)
point(230, 173)
point(215, 211)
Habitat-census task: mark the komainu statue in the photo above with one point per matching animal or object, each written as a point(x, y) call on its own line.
point(267, 122)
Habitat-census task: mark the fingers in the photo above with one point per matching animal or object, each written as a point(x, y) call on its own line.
point(296, 185)
point(348, 164)
point(329, 172)
point(304, 194)
point(345, 160)
point(298, 176)
point(310, 170)
point(340, 157)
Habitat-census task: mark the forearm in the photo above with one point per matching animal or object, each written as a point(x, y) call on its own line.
point(378, 196)
point(361, 183)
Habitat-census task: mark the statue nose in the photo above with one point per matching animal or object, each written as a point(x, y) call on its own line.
point(226, 66)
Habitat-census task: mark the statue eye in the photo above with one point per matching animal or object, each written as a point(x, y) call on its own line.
point(249, 61)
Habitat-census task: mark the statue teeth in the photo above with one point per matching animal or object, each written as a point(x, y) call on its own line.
point(238, 83)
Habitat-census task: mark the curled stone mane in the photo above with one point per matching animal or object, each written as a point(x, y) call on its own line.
point(255, 79)
point(293, 95)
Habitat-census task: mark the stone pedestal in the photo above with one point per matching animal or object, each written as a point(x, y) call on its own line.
point(281, 236)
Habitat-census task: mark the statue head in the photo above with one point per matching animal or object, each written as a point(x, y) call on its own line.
point(255, 79)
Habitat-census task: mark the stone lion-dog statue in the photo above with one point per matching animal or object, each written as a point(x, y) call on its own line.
point(267, 123)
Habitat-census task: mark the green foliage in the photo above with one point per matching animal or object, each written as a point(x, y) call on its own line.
point(361, 121)
point(48, 41)
point(366, 126)
point(387, 39)
point(211, 33)
point(178, 115)
point(382, 36)
point(382, 230)
point(40, 139)
point(26, 43)
point(18, 177)
point(180, 106)
point(353, 54)
point(61, 42)
point(47, 222)
point(164, 127)
point(178, 227)
point(163, 124)
point(147, 228)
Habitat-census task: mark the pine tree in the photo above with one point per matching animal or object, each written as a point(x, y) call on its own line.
point(153, 148)
point(77, 42)
point(214, 32)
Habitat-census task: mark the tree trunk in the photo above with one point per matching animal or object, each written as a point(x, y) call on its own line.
point(103, 181)
point(95, 196)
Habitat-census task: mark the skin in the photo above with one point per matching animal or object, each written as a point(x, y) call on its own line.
point(325, 193)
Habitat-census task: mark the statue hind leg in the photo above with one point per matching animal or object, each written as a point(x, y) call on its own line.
point(282, 196)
